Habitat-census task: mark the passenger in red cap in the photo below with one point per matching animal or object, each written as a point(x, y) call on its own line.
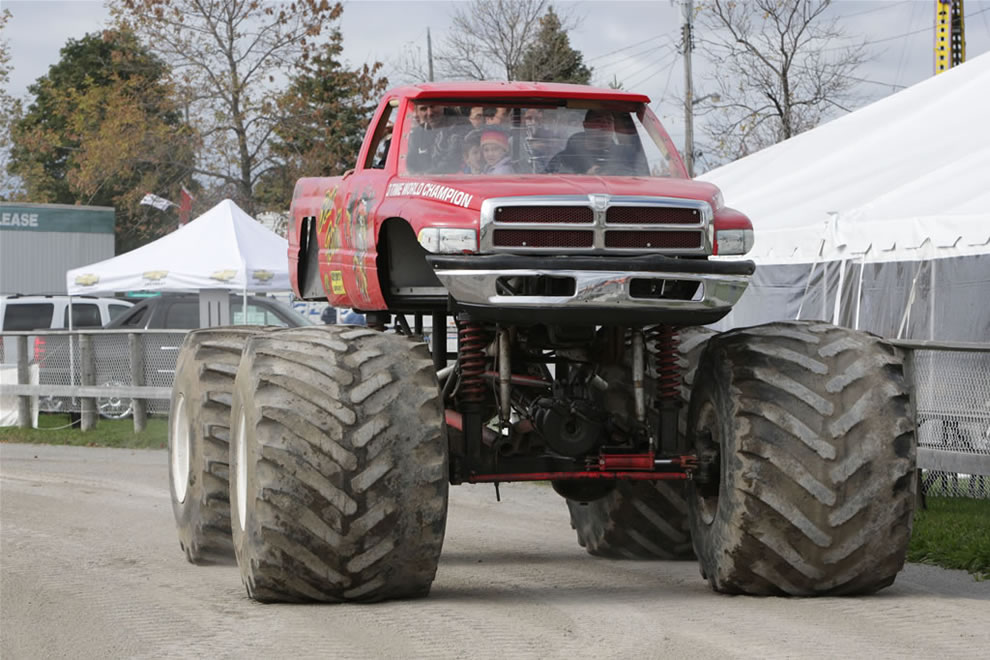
point(495, 150)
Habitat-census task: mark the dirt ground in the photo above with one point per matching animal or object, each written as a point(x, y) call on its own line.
point(90, 567)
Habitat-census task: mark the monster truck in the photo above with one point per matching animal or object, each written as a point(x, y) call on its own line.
point(574, 259)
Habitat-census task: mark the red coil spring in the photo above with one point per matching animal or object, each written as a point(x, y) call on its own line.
point(665, 340)
point(471, 357)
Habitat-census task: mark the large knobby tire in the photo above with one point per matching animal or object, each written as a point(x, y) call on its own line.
point(198, 433)
point(642, 520)
point(810, 429)
point(339, 470)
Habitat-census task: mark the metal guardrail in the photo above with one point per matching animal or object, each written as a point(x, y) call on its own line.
point(82, 370)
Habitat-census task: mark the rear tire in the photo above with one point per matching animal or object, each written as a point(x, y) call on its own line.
point(812, 486)
point(198, 433)
point(338, 465)
point(641, 520)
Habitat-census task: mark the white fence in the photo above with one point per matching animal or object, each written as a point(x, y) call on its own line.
point(112, 373)
point(119, 373)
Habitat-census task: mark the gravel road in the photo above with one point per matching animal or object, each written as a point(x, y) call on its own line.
point(90, 568)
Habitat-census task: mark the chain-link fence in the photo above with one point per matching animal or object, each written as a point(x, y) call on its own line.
point(63, 360)
point(952, 413)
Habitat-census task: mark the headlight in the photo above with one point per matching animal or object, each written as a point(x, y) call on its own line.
point(441, 240)
point(734, 241)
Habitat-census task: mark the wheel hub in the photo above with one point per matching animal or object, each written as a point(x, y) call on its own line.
point(241, 490)
point(179, 442)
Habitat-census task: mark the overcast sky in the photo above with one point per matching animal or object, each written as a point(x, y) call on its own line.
point(609, 34)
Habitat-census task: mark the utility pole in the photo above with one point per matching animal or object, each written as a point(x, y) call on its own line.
point(429, 52)
point(687, 38)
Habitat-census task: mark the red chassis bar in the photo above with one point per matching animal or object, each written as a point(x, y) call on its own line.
point(587, 474)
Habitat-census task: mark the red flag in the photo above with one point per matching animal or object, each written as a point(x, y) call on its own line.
point(185, 206)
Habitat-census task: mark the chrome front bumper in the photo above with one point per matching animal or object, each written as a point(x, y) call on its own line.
point(598, 286)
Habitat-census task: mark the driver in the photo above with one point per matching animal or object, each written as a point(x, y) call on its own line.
point(592, 151)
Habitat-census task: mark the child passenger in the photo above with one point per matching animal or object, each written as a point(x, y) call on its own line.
point(495, 149)
point(473, 163)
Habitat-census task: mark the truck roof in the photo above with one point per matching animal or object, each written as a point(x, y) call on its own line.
point(509, 90)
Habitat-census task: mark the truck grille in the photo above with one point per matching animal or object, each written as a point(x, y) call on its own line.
point(596, 224)
point(545, 214)
point(535, 238)
point(667, 240)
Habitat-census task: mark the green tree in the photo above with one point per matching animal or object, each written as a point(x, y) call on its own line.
point(550, 57)
point(323, 117)
point(231, 56)
point(103, 129)
point(10, 110)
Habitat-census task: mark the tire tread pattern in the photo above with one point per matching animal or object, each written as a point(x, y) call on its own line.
point(347, 467)
point(204, 375)
point(819, 415)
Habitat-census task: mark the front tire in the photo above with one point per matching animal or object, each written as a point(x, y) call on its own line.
point(338, 466)
point(810, 450)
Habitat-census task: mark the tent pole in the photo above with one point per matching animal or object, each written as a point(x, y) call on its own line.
point(807, 284)
point(859, 288)
point(906, 318)
point(931, 300)
point(838, 293)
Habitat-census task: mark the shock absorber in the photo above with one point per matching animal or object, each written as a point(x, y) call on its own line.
point(471, 343)
point(665, 342)
point(471, 357)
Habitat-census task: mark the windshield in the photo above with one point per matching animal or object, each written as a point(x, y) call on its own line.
point(535, 137)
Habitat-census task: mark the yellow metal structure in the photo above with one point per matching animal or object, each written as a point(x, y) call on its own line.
point(950, 34)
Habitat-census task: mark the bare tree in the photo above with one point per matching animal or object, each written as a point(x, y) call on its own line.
point(781, 69)
point(410, 65)
point(489, 38)
point(230, 57)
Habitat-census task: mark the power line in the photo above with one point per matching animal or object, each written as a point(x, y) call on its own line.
point(649, 65)
point(619, 50)
point(900, 61)
point(632, 56)
point(659, 69)
point(888, 5)
point(930, 28)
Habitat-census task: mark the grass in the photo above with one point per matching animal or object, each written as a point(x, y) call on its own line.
point(57, 430)
point(953, 533)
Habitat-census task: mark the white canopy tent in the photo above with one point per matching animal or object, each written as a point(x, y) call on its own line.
point(878, 220)
point(224, 248)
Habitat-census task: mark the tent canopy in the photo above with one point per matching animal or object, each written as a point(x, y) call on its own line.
point(902, 179)
point(224, 248)
point(879, 220)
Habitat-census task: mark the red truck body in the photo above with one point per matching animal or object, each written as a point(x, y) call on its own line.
point(350, 210)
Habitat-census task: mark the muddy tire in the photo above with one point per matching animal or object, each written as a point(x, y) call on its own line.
point(338, 466)
point(198, 433)
point(642, 520)
point(813, 451)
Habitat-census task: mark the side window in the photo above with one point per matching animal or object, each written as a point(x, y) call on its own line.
point(382, 140)
point(182, 315)
point(136, 319)
point(116, 310)
point(29, 316)
point(84, 315)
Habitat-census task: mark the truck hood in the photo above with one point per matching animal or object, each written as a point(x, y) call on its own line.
point(454, 189)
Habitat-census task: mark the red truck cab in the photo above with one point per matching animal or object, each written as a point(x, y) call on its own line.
point(588, 182)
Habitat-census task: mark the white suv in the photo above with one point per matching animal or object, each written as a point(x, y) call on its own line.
point(52, 312)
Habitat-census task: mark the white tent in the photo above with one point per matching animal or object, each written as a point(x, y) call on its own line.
point(224, 248)
point(878, 220)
